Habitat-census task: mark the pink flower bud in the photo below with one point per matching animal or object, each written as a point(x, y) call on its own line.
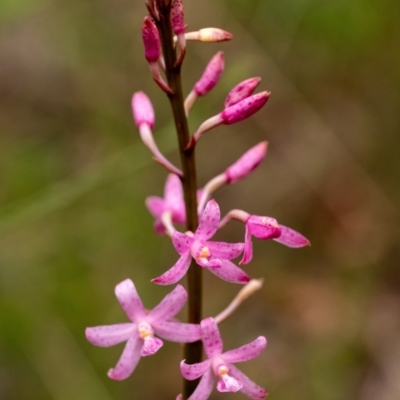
point(210, 75)
point(209, 35)
point(244, 109)
point(247, 163)
point(143, 111)
point(177, 17)
point(241, 91)
point(151, 40)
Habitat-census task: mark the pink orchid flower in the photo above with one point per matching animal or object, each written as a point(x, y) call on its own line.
point(214, 256)
point(139, 334)
point(172, 203)
point(218, 364)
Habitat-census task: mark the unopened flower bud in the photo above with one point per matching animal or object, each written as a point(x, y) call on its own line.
point(263, 227)
point(247, 163)
point(177, 17)
point(209, 35)
point(244, 108)
point(241, 91)
point(211, 75)
point(143, 111)
point(151, 40)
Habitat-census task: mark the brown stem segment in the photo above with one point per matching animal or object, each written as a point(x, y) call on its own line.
point(192, 351)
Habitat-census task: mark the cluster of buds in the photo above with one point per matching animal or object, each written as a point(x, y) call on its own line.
point(142, 335)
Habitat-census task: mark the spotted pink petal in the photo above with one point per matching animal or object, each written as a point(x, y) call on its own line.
point(291, 238)
point(169, 306)
point(177, 331)
point(212, 340)
point(128, 360)
point(250, 388)
point(175, 273)
point(130, 301)
point(204, 388)
point(246, 352)
point(209, 221)
point(194, 371)
point(155, 205)
point(225, 251)
point(241, 91)
point(211, 75)
point(109, 335)
point(230, 272)
point(248, 248)
point(150, 346)
point(181, 242)
point(263, 227)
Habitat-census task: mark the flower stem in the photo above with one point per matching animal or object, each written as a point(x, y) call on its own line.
point(192, 351)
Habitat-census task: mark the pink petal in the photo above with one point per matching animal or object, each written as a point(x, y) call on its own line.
point(177, 331)
point(155, 205)
point(194, 371)
point(159, 227)
point(143, 112)
point(241, 91)
point(209, 221)
point(128, 360)
point(263, 227)
point(204, 388)
point(181, 242)
point(250, 388)
point(169, 306)
point(246, 352)
point(175, 273)
point(248, 248)
point(129, 299)
point(212, 340)
point(225, 251)
point(173, 195)
point(150, 346)
point(291, 238)
point(109, 335)
point(230, 272)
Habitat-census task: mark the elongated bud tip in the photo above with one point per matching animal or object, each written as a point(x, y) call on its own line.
point(151, 40)
point(241, 91)
point(213, 35)
point(143, 112)
point(244, 108)
point(177, 17)
point(211, 74)
point(247, 163)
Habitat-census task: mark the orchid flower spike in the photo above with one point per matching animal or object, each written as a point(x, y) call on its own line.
point(220, 365)
point(241, 91)
point(208, 80)
point(139, 333)
point(209, 35)
point(171, 207)
point(264, 228)
point(243, 167)
point(236, 113)
point(178, 27)
point(214, 256)
point(143, 114)
point(152, 52)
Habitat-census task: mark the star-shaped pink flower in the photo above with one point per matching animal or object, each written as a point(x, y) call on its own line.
point(218, 364)
point(214, 256)
point(139, 334)
point(172, 202)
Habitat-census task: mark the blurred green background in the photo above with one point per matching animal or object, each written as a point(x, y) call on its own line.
point(74, 176)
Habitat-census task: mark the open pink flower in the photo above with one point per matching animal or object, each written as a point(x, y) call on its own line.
point(139, 334)
point(218, 364)
point(172, 203)
point(214, 256)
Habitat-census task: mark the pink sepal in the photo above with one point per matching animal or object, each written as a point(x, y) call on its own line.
point(241, 91)
point(151, 40)
point(177, 17)
point(143, 112)
point(291, 238)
